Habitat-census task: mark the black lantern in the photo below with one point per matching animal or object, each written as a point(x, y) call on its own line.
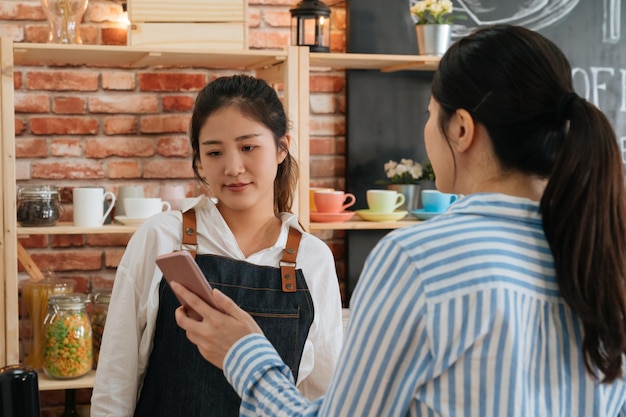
point(310, 25)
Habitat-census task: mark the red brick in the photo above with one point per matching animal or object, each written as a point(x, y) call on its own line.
point(12, 31)
point(322, 146)
point(178, 103)
point(338, 19)
point(114, 36)
point(118, 80)
point(327, 125)
point(66, 147)
point(101, 282)
point(289, 3)
point(89, 34)
point(20, 126)
point(124, 169)
point(62, 81)
point(34, 241)
point(261, 39)
point(322, 104)
point(31, 148)
point(174, 146)
point(69, 105)
point(158, 81)
point(68, 170)
point(67, 260)
point(21, 11)
point(327, 166)
point(67, 241)
point(17, 80)
point(120, 125)
point(174, 123)
point(119, 146)
point(109, 240)
point(36, 33)
point(277, 18)
point(32, 103)
point(337, 41)
point(168, 168)
point(124, 104)
point(326, 83)
point(112, 257)
point(254, 18)
point(63, 125)
point(99, 12)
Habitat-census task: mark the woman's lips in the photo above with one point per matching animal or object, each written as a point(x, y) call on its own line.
point(237, 188)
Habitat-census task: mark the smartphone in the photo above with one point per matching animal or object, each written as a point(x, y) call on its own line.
point(181, 267)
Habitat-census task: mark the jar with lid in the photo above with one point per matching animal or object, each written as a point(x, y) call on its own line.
point(35, 297)
point(68, 338)
point(99, 311)
point(38, 205)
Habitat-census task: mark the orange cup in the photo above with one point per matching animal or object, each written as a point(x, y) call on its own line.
point(312, 191)
point(333, 201)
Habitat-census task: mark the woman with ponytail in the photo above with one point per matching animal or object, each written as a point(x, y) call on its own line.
point(512, 302)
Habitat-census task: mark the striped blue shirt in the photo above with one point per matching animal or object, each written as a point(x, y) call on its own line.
point(457, 316)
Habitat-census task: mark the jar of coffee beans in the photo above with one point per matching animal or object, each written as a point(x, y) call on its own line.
point(38, 205)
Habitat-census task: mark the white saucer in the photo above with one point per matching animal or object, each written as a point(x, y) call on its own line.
point(129, 221)
point(425, 215)
point(373, 216)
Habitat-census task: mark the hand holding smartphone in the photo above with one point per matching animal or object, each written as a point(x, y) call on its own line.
point(181, 267)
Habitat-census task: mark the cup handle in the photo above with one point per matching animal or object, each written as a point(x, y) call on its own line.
point(399, 200)
point(351, 200)
point(453, 198)
point(113, 200)
point(166, 205)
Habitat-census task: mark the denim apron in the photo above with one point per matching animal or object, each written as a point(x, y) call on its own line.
point(179, 382)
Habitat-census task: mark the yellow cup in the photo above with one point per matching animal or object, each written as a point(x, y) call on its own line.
point(312, 191)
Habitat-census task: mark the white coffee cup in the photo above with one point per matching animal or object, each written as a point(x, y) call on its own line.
point(384, 201)
point(89, 206)
point(124, 192)
point(142, 208)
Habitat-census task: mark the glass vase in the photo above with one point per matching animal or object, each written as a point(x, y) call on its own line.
point(64, 17)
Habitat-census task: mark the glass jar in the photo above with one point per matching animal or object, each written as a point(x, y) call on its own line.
point(35, 296)
point(64, 17)
point(68, 338)
point(38, 205)
point(99, 311)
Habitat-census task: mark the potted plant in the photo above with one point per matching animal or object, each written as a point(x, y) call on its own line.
point(405, 177)
point(433, 25)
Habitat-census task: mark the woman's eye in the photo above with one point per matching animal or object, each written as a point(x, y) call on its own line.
point(248, 148)
point(213, 153)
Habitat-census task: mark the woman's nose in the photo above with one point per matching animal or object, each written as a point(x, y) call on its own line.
point(234, 165)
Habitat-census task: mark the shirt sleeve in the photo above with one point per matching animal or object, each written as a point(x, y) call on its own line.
point(386, 359)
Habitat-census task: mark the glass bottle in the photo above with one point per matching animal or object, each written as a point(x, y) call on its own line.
point(38, 205)
point(99, 311)
point(68, 337)
point(64, 17)
point(35, 296)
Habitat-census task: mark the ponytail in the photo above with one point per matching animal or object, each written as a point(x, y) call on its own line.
point(584, 219)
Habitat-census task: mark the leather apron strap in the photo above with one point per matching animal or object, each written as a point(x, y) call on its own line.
point(287, 263)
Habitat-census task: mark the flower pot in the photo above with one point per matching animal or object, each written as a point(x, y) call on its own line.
point(64, 17)
point(433, 39)
point(411, 195)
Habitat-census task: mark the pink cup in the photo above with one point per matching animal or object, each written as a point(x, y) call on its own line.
point(333, 201)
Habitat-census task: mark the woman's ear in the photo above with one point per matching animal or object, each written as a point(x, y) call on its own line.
point(283, 150)
point(461, 130)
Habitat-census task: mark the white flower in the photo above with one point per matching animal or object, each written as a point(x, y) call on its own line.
point(431, 11)
point(405, 172)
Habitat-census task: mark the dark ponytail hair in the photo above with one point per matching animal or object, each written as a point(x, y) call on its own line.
point(518, 84)
point(258, 101)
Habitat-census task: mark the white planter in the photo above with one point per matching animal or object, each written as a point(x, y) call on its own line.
point(433, 39)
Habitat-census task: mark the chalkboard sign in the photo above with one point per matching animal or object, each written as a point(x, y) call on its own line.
point(386, 112)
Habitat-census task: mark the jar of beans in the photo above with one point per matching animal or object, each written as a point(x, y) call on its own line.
point(99, 311)
point(68, 338)
point(38, 205)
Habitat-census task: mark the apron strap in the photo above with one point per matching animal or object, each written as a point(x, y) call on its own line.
point(288, 263)
point(190, 238)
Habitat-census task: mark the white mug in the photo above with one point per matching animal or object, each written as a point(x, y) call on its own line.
point(127, 191)
point(142, 208)
point(89, 206)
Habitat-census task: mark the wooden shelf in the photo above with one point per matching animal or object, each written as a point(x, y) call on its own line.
point(383, 63)
point(363, 225)
point(66, 228)
point(46, 383)
point(134, 57)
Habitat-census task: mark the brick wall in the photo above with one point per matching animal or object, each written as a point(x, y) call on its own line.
point(112, 126)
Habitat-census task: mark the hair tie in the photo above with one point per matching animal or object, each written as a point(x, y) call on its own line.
point(564, 105)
